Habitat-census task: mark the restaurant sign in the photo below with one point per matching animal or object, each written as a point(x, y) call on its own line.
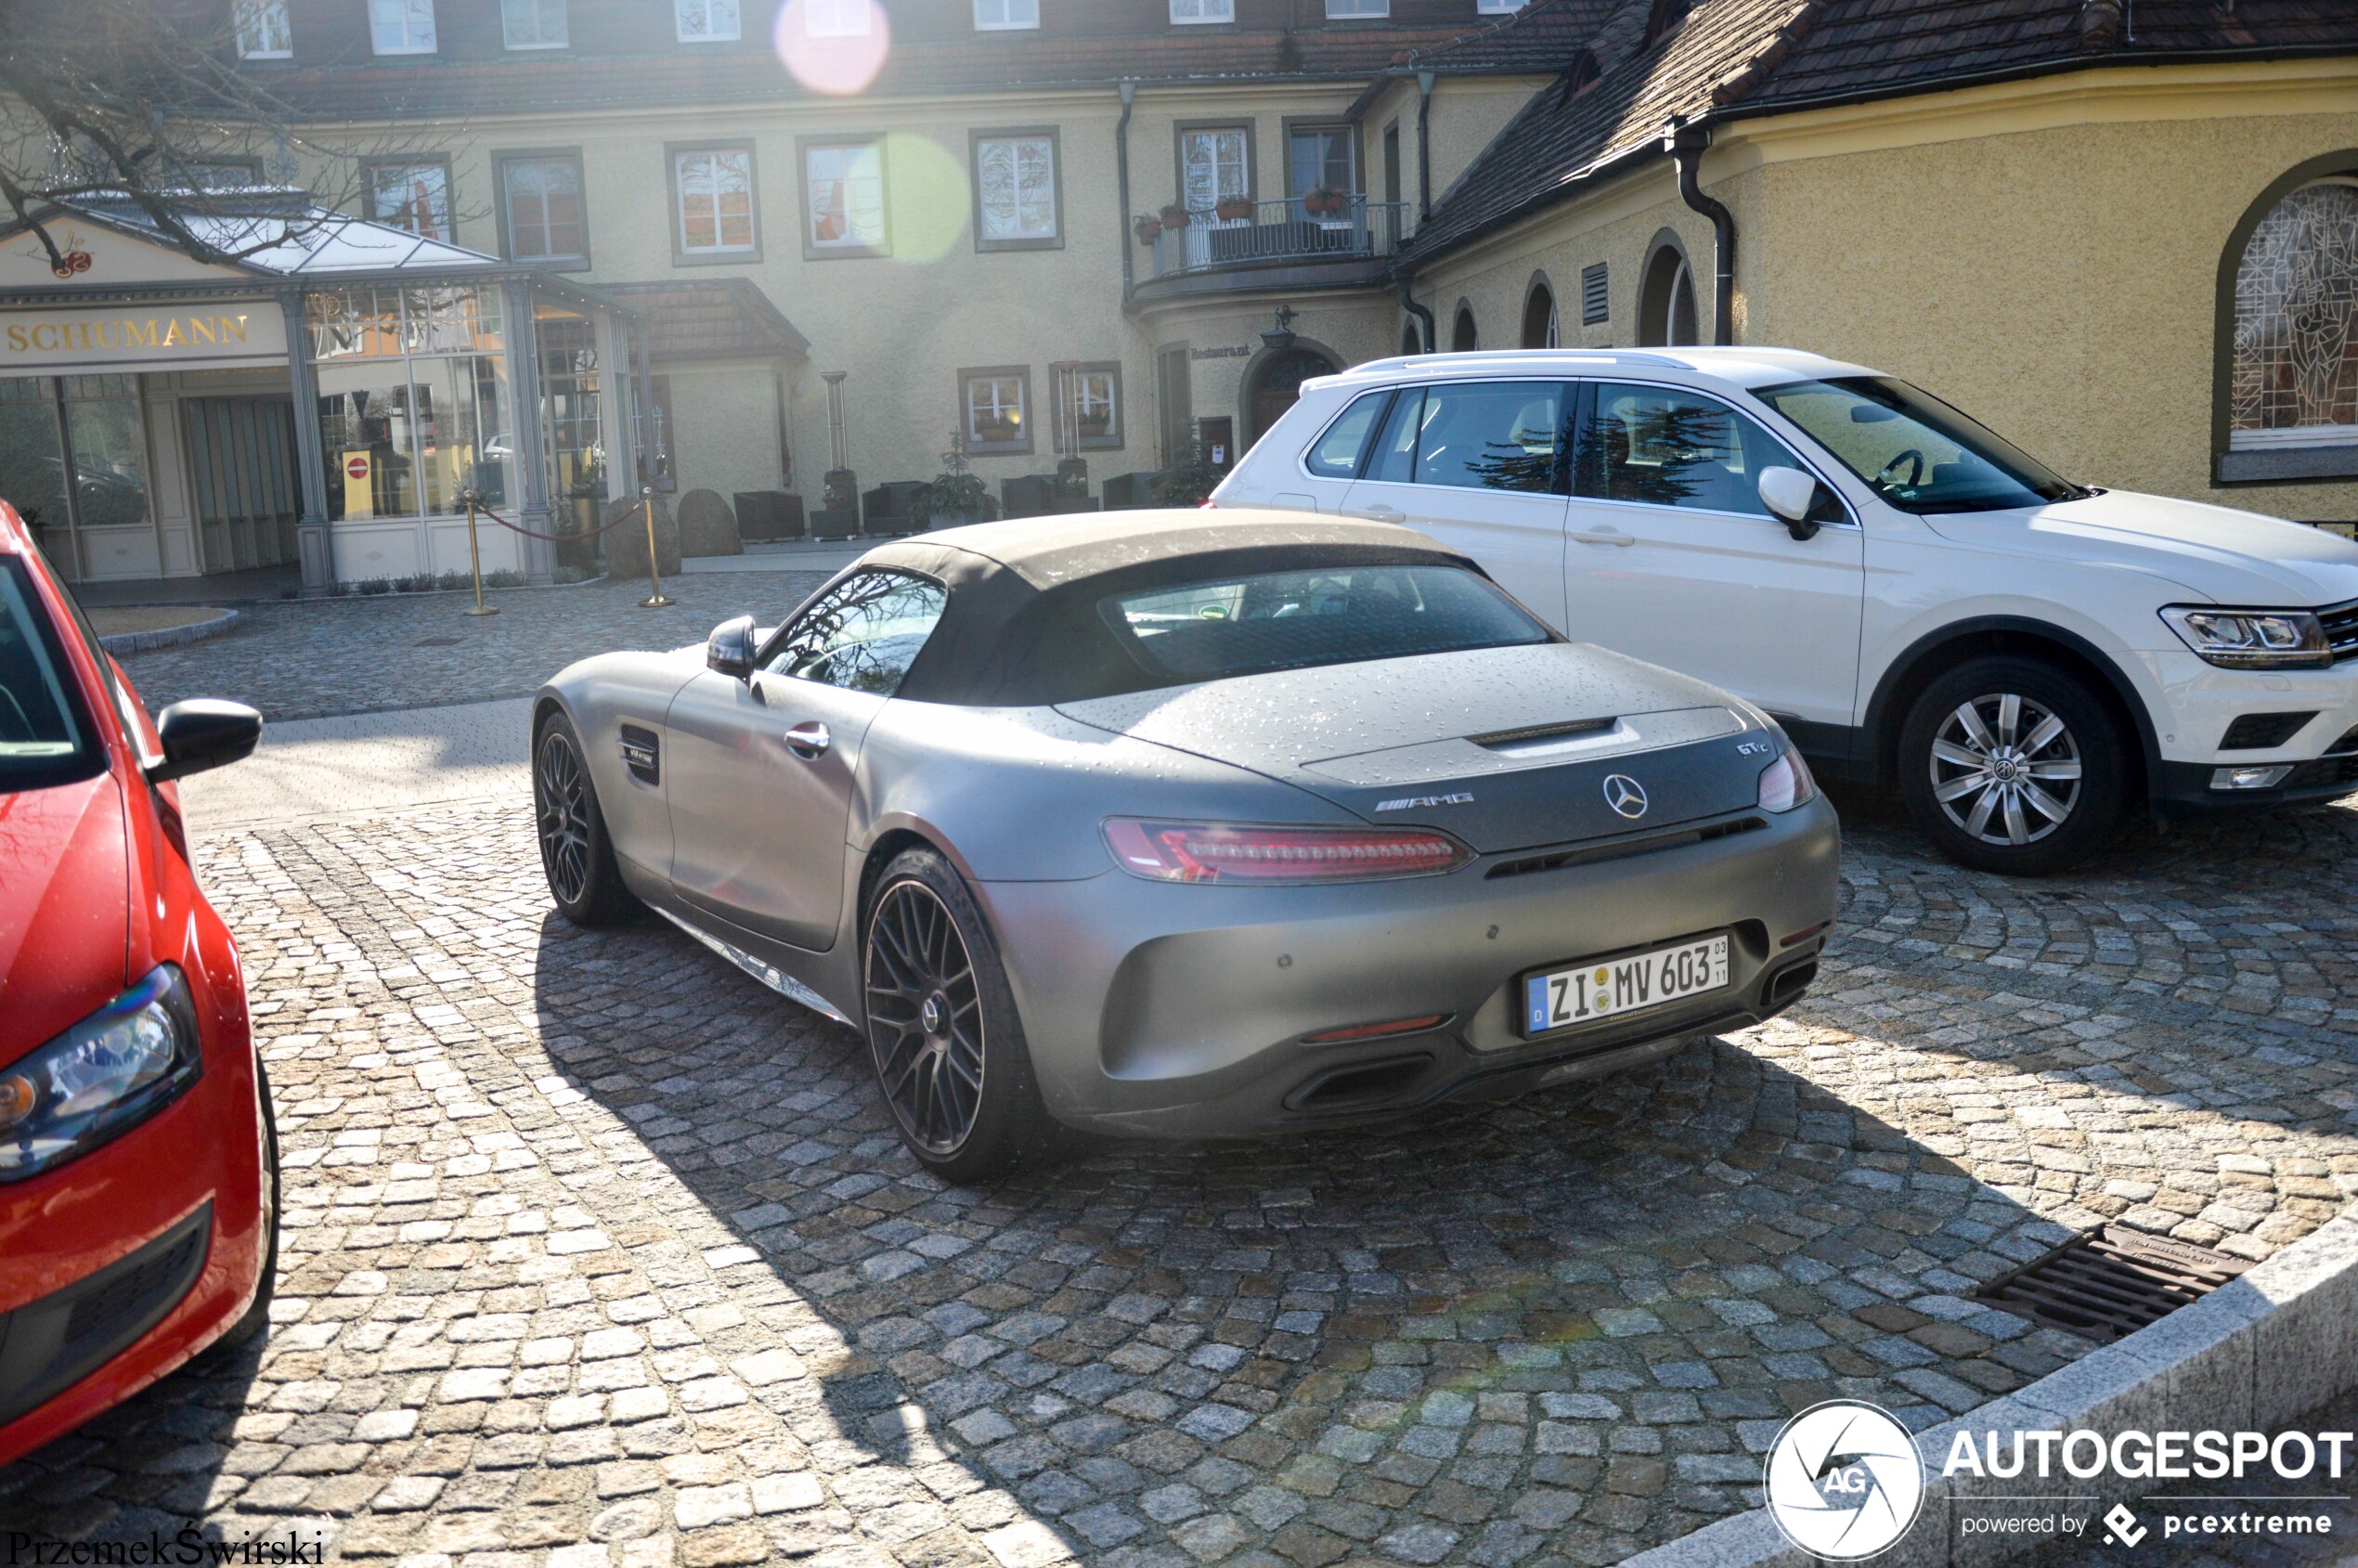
point(153, 337)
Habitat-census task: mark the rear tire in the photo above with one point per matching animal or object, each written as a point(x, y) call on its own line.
point(943, 1033)
point(2012, 765)
point(577, 855)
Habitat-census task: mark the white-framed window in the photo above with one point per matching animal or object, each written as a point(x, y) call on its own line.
point(534, 24)
point(1015, 189)
point(714, 185)
point(264, 31)
point(705, 21)
point(1215, 165)
point(543, 198)
point(992, 409)
point(1006, 16)
point(1349, 10)
point(845, 183)
point(1088, 407)
point(1185, 13)
point(1499, 7)
point(837, 19)
point(412, 196)
point(401, 27)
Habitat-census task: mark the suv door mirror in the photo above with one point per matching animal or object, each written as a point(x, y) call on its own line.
point(202, 733)
point(1792, 495)
point(728, 650)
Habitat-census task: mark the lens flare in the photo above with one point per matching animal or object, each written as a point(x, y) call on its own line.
point(832, 46)
point(925, 192)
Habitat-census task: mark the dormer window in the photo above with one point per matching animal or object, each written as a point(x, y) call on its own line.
point(1006, 16)
point(533, 24)
point(264, 31)
point(1185, 13)
point(401, 27)
point(1499, 7)
point(706, 22)
point(1358, 11)
point(837, 19)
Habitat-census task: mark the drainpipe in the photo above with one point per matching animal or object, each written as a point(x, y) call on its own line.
point(1685, 144)
point(1425, 80)
point(1122, 165)
point(1421, 312)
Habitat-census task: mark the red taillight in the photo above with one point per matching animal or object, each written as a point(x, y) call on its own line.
point(1377, 1031)
point(1206, 504)
point(1242, 853)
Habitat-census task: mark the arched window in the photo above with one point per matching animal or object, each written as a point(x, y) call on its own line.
point(1411, 340)
point(1539, 329)
point(1462, 337)
point(1666, 301)
point(2294, 382)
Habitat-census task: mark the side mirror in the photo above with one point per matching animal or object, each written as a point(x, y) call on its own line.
point(728, 650)
point(202, 733)
point(1792, 495)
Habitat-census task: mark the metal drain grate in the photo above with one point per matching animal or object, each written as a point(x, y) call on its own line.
point(2111, 1283)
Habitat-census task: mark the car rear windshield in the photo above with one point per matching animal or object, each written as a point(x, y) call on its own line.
point(1250, 623)
point(43, 739)
point(1913, 451)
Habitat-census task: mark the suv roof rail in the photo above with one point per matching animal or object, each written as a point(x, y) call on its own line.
point(1493, 355)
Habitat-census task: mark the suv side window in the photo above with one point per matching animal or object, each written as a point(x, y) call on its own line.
point(862, 634)
point(1337, 454)
point(1480, 436)
point(1662, 446)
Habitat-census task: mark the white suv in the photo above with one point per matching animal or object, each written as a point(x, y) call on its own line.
point(1915, 599)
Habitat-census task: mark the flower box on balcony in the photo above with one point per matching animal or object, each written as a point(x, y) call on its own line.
point(1325, 201)
point(1175, 217)
point(1232, 209)
point(1147, 228)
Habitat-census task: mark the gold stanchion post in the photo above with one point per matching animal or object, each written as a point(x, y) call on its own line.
point(655, 599)
point(475, 560)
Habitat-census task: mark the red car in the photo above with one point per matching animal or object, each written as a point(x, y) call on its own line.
point(138, 1168)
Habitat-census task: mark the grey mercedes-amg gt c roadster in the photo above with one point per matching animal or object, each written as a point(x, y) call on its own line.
point(1192, 824)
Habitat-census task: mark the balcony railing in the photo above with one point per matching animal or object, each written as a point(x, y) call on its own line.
point(1280, 231)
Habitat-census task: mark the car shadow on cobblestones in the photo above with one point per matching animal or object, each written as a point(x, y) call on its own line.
point(1577, 1317)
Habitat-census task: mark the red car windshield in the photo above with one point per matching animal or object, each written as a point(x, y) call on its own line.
point(44, 738)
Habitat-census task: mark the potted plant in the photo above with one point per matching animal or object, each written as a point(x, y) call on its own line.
point(1231, 209)
point(1147, 228)
point(1175, 217)
point(1188, 479)
point(1325, 201)
point(955, 495)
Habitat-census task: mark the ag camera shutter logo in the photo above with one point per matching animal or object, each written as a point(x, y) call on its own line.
point(1843, 1480)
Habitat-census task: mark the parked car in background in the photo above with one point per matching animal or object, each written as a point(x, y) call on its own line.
point(1915, 599)
point(138, 1168)
point(1156, 822)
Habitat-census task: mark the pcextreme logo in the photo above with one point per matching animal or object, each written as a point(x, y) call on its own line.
point(1844, 1480)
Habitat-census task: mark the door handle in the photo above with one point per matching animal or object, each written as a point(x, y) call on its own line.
point(1606, 535)
point(1381, 514)
point(809, 741)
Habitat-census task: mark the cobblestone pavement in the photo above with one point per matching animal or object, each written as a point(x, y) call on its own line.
point(306, 658)
point(593, 1245)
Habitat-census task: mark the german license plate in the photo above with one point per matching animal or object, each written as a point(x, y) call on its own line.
point(1608, 986)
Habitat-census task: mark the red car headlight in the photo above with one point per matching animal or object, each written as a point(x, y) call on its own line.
point(108, 1073)
point(1786, 784)
point(1166, 851)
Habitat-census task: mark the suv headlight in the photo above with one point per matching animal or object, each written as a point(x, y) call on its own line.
point(2252, 639)
point(113, 1069)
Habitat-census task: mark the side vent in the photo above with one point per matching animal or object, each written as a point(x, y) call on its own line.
point(643, 754)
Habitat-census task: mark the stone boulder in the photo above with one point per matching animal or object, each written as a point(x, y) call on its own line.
point(708, 524)
point(626, 546)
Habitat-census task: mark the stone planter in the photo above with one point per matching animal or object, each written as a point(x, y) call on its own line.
point(626, 546)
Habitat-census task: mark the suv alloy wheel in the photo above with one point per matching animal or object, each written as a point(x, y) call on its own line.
point(2014, 766)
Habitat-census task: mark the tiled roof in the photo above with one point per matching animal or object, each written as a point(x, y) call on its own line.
point(1732, 58)
point(1876, 46)
point(715, 319)
point(1543, 36)
point(986, 64)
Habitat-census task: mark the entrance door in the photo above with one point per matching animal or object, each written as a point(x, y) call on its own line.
point(1276, 385)
point(1674, 558)
point(243, 473)
point(1475, 464)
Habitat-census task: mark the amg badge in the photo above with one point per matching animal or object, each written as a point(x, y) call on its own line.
point(1411, 802)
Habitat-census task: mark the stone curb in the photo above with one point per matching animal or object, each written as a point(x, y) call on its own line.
point(2279, 1342)
point(170, 636)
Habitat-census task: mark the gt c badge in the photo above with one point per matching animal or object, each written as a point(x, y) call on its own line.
point(1412, 802)
point(1625, 795)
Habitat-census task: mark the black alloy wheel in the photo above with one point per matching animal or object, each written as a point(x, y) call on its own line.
point(575, 854)
point(948, 1046)
point(2013, 765)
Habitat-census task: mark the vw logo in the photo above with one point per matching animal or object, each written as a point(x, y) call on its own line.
point(1625, 795)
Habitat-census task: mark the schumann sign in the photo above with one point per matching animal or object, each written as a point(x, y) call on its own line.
point(146, 337)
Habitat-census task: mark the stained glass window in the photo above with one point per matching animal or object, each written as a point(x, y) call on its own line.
point(2295, 367)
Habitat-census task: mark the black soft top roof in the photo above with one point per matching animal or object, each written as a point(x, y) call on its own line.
point(1021, 630)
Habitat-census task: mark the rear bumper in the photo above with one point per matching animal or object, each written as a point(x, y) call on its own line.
point(115, 1268)
point(1182, 1011)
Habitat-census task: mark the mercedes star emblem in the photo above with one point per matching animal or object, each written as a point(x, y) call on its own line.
point(1625, 795)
